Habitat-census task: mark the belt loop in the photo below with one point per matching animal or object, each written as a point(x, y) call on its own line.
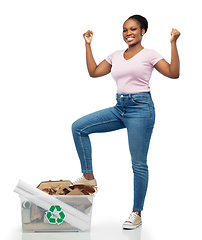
point(129, 96)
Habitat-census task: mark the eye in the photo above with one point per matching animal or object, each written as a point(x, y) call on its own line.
point(133, 29)
point(124, 30)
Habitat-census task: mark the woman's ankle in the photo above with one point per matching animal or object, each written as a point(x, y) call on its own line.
point(88, 176)
point(138, 213)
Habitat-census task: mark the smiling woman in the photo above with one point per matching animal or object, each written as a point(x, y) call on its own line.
point(133, 30)
point(131, 68)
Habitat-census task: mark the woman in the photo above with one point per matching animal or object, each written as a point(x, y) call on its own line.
point(131, 68)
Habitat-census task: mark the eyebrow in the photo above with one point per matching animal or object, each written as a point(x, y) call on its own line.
point(130, 27)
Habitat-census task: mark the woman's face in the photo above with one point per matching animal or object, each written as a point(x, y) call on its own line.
point(132, 33)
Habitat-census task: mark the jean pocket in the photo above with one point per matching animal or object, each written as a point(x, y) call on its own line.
point(140, 101)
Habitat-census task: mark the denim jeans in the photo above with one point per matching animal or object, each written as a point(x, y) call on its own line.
point(136, 113)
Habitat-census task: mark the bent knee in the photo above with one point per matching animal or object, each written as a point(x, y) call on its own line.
point(75, 126)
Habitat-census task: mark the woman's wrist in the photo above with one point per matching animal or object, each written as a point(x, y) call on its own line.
point(174, 42)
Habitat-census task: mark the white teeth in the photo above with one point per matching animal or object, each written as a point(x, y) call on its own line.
point(130, 39)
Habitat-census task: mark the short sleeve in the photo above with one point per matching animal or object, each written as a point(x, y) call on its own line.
point(109, 59)
point(154, 57)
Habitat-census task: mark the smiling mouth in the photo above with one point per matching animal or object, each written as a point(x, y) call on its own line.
point(129, 39)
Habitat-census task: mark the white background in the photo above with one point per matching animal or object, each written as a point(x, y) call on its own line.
point(45, 87)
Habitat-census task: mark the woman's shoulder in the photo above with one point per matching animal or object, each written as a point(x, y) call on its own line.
point(150, 51)
point(114, 55)
point(117, 52)
point(152, 55)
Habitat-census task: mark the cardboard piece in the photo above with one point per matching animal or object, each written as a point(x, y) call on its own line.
point(35, 213)
point(47, 184)
point(65, 188)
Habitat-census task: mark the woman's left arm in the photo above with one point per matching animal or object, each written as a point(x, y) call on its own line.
point(171, 70)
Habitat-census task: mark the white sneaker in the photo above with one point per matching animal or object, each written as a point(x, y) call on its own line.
point(133, 221)
point(83, 181)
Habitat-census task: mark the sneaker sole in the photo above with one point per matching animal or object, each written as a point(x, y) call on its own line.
point(132, 226)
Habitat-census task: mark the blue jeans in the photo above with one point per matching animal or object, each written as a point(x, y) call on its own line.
point(136, 113)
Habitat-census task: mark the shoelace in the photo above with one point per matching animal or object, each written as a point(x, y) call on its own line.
point(132, 217)
point(78, 179)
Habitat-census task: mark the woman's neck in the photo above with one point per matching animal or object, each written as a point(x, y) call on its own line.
point(134, 49)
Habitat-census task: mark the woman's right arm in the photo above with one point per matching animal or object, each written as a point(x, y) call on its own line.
point(94, 70)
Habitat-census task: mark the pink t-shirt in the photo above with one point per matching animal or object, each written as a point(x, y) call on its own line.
point(133, 75)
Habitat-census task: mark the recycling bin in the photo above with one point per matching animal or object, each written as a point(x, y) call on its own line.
point(55, 217)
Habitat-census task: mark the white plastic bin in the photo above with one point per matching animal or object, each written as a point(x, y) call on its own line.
point(38, 219)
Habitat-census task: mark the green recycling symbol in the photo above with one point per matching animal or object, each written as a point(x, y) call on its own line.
point(54, 220)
